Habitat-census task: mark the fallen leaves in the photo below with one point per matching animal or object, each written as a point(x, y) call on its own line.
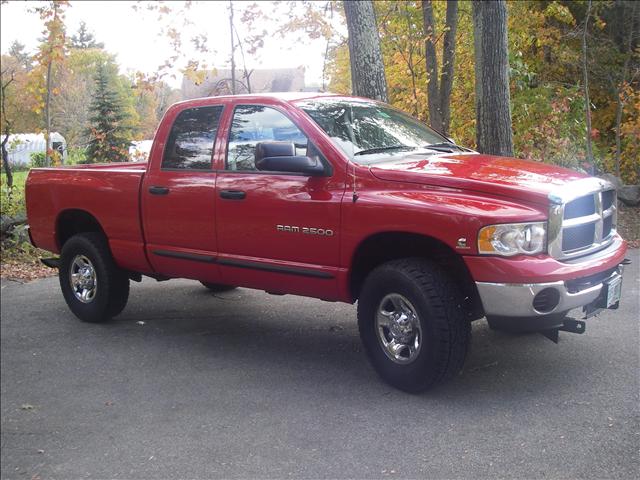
point(629, 224)
point(25, 270)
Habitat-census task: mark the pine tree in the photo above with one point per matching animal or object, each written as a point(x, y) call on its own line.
point(17, 51)
point(85, 39)
point(109, 139)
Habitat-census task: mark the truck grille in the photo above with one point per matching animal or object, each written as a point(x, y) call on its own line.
point(582, 224)
point(578, 237)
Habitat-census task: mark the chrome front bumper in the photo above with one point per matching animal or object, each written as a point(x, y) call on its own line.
point(516, 300)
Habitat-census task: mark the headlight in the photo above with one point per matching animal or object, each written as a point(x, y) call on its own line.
point(513, 239)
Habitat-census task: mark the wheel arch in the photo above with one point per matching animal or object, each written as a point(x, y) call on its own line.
point(70, 222)
point(382, 247)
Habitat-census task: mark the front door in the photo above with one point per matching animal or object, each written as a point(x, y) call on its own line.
point(178, 197)
point(276, 231)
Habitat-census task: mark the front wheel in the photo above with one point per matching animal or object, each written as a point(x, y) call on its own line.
point(93, 286)
point(412, 324)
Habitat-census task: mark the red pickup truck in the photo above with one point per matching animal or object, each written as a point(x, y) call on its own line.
point(343, 199)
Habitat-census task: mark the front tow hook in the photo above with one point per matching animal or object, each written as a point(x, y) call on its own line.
point(570, 325)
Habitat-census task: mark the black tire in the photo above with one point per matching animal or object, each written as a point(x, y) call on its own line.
point(217, 287)
point(112, 290)
point(445, 330)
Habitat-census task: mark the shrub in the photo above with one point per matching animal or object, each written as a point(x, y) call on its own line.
point(38, 159)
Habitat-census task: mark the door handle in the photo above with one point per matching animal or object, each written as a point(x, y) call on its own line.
point(158, 190)
point(233, 194)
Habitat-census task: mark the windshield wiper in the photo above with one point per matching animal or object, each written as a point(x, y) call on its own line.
point(384, 149)
point(445, 147)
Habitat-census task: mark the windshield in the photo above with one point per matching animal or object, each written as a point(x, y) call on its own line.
point(369, 131)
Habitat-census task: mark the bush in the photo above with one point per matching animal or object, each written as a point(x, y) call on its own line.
point(76, 156)
point(38, 159)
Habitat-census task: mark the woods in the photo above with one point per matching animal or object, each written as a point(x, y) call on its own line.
point(544, 65)
point(554, 81)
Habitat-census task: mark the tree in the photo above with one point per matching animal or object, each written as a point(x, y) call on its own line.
point(85, 39)
point(585, 87)
point(16, 50)
point(74, 85)
point(629, 21)
point(109, 142)
point(493, 108)
point(367, 70)
point(7, 77)
point(440, 89)
point(51, 52)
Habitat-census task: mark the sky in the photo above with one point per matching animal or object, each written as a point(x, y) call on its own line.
point(134, 36)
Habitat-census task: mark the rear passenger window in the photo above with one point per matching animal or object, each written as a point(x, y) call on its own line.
point(190, 143)
point(256, 123)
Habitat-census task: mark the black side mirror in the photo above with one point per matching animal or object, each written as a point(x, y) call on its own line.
point(281, 157)
point(293, 164)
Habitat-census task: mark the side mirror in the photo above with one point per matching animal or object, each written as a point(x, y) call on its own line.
point(281, 157)
point(293, 164)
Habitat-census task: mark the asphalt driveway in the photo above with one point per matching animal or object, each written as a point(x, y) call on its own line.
point(243, 384)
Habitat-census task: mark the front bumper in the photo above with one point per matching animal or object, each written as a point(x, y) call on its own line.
point(519, 299)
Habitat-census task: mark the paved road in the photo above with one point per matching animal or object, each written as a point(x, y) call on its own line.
point(244, 384)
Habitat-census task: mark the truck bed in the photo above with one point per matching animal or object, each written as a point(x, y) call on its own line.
point(107, 192)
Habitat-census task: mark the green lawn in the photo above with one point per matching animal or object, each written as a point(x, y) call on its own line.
point(18, 179)
point(15, 204)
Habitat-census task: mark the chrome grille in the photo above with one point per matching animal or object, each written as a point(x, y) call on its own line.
point(582, 219)
point(580, 207)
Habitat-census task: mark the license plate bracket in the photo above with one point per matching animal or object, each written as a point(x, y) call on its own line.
point(609, 297)
point(614, 292)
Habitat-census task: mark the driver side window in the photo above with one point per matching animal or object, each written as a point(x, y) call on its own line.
point(252, 124)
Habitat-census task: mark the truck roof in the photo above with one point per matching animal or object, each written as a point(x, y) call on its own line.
point(286, 96)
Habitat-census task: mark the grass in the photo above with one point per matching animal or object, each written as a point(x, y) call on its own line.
point(13, 204)
point(18, 255)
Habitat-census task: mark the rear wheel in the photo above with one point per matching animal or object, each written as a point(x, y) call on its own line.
point(94, 288)
point(217, 287)
point(412, 324)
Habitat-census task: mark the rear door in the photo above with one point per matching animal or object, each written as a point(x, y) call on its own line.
point(178, 197)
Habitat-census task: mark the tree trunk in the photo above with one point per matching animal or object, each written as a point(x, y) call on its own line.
point(620, 102)
point(367, 70)
point(448, 62)
point(439, 89)
point(47, 118)
point(233, 48)
point(433, 89)
point(585, 86)
point(493, 99)
point(5, 161)
point(8, 127)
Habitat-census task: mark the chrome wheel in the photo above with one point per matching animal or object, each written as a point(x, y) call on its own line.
point(82, 277)
point(398, 328)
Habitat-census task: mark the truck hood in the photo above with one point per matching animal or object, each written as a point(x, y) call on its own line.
point(520, 179)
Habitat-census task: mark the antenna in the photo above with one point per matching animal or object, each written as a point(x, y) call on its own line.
point(355, 194)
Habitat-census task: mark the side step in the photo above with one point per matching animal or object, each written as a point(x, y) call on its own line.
point(570, 325)
point(51, 262)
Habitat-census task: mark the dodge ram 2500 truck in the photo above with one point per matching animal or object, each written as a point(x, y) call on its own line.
point(342, 199)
